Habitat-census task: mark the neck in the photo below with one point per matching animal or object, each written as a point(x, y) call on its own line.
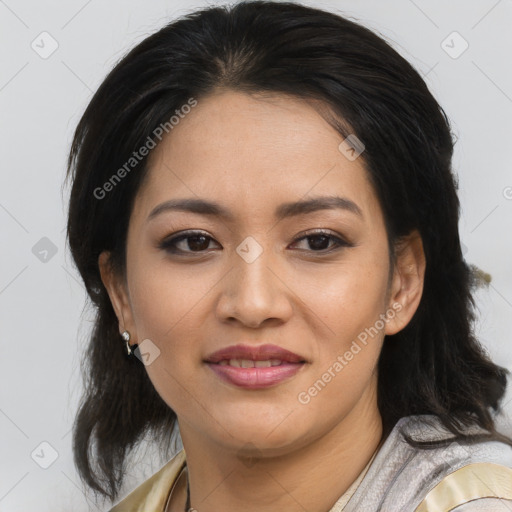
point(311, 477)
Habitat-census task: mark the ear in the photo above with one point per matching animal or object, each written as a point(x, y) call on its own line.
point(118, 293)
point(407, 283)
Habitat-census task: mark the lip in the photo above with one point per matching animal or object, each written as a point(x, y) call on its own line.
point(255, 353)
point(255, 378)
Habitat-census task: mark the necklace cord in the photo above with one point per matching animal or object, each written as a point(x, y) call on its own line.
point(187, 506)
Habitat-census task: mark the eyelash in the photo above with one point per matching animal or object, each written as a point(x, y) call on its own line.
point(169, 244)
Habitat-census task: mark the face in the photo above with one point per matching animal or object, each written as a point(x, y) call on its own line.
point(313, 281)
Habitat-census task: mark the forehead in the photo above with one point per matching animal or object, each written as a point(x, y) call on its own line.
point(252, 152)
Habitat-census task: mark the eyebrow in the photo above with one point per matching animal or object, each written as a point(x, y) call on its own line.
point(285, 210)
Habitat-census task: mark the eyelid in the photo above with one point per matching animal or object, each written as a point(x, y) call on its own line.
point(321, 231)
point(189, 232)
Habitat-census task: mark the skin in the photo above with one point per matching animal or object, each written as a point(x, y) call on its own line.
point(263, 450)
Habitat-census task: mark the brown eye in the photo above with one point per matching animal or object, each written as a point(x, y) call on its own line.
point(320, 241)
point(190, 242)
point(197, 243)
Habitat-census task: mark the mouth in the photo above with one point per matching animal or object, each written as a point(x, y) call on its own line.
point(252, 367)
point(249, 363)
point(255, 377)
point(247, 354)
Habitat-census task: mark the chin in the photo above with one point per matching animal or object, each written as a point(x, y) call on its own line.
point(254, 439)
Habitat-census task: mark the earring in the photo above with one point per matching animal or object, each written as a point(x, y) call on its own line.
point(126, 338)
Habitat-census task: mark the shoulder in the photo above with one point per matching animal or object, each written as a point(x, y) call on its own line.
point(402, 476)
point(473, 487)
point(483, 505)
point(153, 492)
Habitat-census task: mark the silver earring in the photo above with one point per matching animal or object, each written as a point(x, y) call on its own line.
point(126, 338)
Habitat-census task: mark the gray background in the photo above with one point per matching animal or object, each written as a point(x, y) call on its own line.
point(43, 322)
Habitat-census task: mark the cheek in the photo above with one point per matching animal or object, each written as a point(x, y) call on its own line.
point(348, 341)
point(347, 298)
point(163, 311)
point(349, 336)
point(164, 298)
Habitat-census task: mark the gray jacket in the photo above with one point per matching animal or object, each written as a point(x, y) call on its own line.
point(401, 476)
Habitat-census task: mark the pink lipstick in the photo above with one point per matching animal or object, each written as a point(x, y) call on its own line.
point(255, 367)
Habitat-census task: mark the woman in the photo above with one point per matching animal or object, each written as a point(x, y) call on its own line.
point(264, 213)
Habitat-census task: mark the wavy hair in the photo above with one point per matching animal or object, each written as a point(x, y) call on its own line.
point(435, 365)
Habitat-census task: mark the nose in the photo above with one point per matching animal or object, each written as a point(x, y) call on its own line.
point(254, 293)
